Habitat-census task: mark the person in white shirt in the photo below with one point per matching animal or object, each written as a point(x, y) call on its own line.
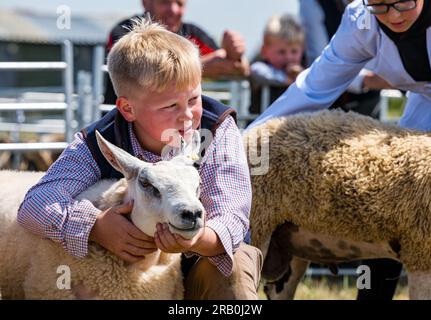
point(394, 38)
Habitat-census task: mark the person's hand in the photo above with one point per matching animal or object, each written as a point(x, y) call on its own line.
point(118, 235)
point(174, 243)
point(213, 56)
point(374, 82)
point(234, 44)
point(215, 66)
point(292, 73)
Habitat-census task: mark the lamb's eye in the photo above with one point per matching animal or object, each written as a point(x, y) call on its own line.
point(150, 188)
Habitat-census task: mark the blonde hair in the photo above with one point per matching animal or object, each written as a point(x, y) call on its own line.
point(150, 57)
point(285, 28)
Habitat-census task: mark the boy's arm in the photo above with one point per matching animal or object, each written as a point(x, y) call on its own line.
point(265, 74)
point(226, 192)
point(49, 209)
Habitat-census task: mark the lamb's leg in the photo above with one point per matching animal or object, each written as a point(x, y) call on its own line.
point(285, 288)
point(420, 285)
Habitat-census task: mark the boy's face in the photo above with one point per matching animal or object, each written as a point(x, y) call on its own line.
point(168, 12)
point(156, 115)
point(399, 21)
point(282, 54)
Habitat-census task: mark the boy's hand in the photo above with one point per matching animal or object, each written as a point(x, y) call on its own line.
point(293, 72)
point(174, 243)
point(118, 235)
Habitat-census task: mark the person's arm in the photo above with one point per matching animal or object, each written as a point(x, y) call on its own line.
point(49, 209)
point(265, 74)
point(226, 62)
point(217, 66)
point(226, 192)
point(316, 39)
point(319, 86)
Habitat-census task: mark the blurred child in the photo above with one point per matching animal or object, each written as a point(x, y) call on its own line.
point(281, 59)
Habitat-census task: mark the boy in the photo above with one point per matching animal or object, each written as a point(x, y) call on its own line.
point(156, 75)
point(282, 54)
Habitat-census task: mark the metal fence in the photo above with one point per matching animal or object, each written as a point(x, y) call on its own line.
point(66, 67)
point(87, 105)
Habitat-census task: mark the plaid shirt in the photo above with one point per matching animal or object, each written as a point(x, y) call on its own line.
point(51, 211)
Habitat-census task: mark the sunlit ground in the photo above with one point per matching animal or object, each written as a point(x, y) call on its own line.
point(310, 289)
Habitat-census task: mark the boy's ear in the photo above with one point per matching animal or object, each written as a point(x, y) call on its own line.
point(125, 109)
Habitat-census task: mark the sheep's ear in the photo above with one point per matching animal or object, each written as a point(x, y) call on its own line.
point(121, 160)
point(191, 149)
point(187, 152)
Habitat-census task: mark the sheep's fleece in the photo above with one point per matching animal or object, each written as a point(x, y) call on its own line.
point(345, 175)
point(31, 267)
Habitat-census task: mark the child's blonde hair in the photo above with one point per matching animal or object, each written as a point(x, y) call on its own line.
point(286, 28)
point(150, 57)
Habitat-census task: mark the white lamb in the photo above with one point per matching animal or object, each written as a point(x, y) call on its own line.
point(166, 192)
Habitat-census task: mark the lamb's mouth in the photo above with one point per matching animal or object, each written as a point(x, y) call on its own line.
point(183, 229)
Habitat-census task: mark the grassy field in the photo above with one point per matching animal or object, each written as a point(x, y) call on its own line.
point(322, 289)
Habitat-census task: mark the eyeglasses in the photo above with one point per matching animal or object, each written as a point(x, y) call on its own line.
point(382, 8)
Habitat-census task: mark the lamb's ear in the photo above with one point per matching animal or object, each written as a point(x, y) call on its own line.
point(191, 149)
point(187, 152)
point(122, 161)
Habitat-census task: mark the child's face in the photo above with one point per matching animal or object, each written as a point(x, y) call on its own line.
point(155, 115)
point(282, 54)
point(399, 21)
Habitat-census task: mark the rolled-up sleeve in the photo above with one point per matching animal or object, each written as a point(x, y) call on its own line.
point(226, 191)
point(49, 209)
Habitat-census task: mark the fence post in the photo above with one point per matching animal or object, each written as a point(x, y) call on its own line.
point(68, 89)
point(98, 76)
point(265, 98)
point(244, 103)
point(85, 99)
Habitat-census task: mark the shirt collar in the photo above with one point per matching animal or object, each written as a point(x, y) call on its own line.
point(138, 151)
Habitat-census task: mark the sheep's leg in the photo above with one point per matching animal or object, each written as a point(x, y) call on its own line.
point(285, 288)
point(420, 285)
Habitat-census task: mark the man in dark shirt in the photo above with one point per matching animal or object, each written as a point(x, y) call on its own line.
point(219, 63)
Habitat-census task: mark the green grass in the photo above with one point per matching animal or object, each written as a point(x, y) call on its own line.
point(311, 289)
point(396, 107)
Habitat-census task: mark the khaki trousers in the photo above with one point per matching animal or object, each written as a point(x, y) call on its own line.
point(205, 282)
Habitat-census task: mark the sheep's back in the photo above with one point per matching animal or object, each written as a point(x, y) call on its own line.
point(344, 174)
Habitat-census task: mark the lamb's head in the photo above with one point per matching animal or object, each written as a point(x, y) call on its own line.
point(164, 192)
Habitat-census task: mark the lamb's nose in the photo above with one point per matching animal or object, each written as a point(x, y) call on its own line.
point(188, 215)
point(198, 214)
